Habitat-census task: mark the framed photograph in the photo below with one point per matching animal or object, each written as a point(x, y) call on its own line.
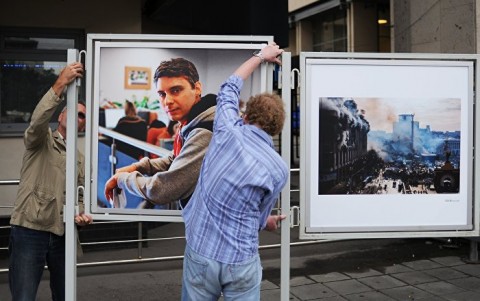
point(113, 59)
point(388, 148)
point(137, 78)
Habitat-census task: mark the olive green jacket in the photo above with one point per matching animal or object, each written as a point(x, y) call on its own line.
point(41, 192)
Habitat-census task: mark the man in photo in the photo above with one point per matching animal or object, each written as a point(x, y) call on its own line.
point(173, 178)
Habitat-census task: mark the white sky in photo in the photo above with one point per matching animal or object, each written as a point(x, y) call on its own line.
point(440, 114)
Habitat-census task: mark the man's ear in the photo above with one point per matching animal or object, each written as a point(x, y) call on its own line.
point(198, 88)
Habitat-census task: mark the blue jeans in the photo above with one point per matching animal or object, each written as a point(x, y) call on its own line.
point(29, 251)
point(206, 279)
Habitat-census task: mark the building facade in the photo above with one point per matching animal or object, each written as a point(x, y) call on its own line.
point(423, 26)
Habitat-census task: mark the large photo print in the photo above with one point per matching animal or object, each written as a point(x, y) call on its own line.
point(388, 145)
point(136, 133)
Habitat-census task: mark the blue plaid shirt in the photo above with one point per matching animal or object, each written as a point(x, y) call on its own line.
point(241, 178)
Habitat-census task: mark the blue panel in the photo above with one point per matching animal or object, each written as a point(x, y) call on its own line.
point(104, 175)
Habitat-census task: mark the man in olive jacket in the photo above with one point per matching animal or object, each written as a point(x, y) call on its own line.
point(37, 234)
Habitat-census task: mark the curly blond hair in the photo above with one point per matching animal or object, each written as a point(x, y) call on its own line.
point(267, 111)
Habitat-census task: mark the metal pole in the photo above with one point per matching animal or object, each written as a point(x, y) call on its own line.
point(140, 239)
point(71, 187)
point(113, 158)
point(286, 150)
point(9, 182)
point(473, 251)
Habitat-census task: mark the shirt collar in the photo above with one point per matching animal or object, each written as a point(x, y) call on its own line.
point(59, 137)
point(59, 134)
point(266, 137)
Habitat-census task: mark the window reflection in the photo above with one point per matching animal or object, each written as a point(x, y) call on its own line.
point(22, 84)
point(38, 43)
point(30, 61)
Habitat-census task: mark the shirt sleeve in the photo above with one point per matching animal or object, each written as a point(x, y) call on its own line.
point(227, 111)
point(271, 198)
point(38, 129)
point(150, 167)
point(179, 181)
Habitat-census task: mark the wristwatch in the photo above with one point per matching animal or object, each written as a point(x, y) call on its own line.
point(259, 54)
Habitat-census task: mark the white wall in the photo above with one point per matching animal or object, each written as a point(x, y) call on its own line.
point(11, 154)
point(11, 150)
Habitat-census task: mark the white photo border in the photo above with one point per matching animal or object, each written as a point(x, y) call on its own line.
point(220, 49)
point(385, 76)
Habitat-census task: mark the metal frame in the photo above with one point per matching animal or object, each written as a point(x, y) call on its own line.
point(71, 197)
point(287, 85)
point(471, 150)
point(95, 42)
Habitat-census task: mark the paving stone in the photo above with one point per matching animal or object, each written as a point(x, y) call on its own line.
point(346, 287)
point(448, 261)
point(274, 295)
point(470, 283)
point(424, 264)
point(335, 276)
point(301, 280)
point(267, 285)
point(416, 277)
point(470, 269)
point(407, 293)
point(440, 288)
point(362, 274)
point(434, 298)
point(312, 291)
point(397, 268)
point(382, 282)
point(445, 273)
point(464, 296)
point(335, 298)
point(369, 296)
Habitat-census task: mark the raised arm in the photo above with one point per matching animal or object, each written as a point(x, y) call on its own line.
point(268, 53)
point(38, 128)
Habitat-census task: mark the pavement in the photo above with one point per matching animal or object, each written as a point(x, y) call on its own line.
point(376, 269)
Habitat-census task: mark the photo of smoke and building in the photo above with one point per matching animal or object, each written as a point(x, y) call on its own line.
point(388, 146)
